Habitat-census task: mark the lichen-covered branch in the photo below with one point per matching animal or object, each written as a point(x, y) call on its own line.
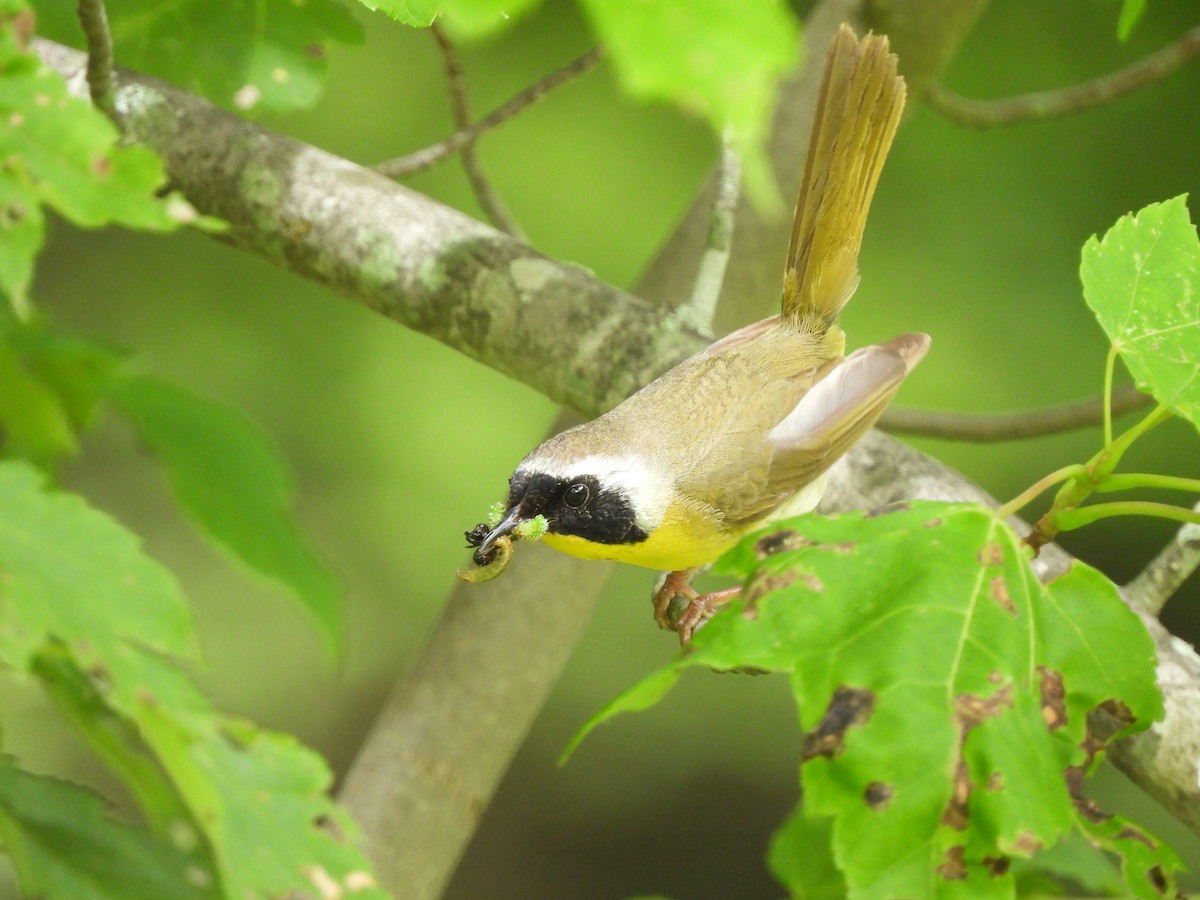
point(554, 326)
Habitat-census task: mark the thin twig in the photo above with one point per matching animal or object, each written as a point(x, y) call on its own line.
point(1167, 572)
point(489, 200)
point(1064, 101)
point(94, 21)
point(426, 157)
point(701, 306)
point(1010, 426)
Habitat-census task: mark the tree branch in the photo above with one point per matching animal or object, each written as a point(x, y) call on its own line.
point(1068, 100)
point(954, 426)
point(502, 303)
point(93, 19)
point(399, 253)
point(423, 159)
point(488, 200)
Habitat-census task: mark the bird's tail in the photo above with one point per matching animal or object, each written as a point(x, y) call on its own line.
point(858, 110)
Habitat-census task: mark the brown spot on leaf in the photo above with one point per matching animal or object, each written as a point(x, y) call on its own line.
point(1087, 808)
point(995, 677)
point(933, 523)
point(780, 542)
point(997, 865)
point(1119, 711)
point(842, 547)
point(1130, 833)
point(955, 866)
point(1027, 843)
point(848, 707)
point(995, 782)
point(970, 710)
point(991, 554)
point(998, 591)
point(1054, 709)
point(102, 166)
point(888, 509)
point(1158, 879)
point(878, 795)
point(814, 584)
point(764, 583)
point(957, 813)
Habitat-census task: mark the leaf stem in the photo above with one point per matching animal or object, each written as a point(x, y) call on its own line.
point(1097, 470)
point(1069, 519)
point(1030, 493)
point(1164, 574)
point(1109, 365)
point(1132, 480)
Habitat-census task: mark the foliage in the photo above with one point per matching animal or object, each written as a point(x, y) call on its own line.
point(105, 628)
point(944, 694)
point(951, 703)
point(1142, 281)
point(242, 54)
point(718, 58)
point(61, 153)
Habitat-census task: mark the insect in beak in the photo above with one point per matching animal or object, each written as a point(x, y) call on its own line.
point(487, 547)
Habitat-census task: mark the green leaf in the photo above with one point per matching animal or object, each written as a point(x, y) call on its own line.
point(801, 857)
point(473, 19)
point(1131, 14)
point(235, 486)
point(642, 695)
point(76, 369)
point(72, 574)
point(243, 54)
point(63, 844)
point(85, 610)
point(417, 13)
point(34, 423)
point(719, 58)
point(59, 151)
point(1141, 281)
point(943, 690)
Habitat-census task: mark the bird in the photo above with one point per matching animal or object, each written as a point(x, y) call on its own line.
point(743, 432)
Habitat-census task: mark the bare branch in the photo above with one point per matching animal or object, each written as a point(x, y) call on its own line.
point(1167, 572)
point(701, 307)
point(489, 201)
point(1064, 101)
point(954, 426)
point(94, 20)
point(423, 159)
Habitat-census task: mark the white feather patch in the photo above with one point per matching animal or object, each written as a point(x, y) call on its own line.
point(648, 494)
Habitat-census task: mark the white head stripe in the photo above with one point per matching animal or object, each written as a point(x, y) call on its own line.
point(649, 496)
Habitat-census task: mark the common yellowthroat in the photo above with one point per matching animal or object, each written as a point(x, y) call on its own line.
point(745, 430)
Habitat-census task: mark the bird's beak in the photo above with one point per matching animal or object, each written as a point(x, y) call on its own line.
point(511, 519)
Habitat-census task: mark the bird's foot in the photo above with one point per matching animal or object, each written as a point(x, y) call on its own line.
point(700, 610)
point(684, 620)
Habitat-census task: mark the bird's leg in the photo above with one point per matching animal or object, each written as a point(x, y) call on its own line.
point(672, 585)
point(700, 607)
point(700, 610)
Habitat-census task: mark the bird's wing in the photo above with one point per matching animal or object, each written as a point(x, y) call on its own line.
point(838, 410)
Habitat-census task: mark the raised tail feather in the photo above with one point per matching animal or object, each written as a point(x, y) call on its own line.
point(858, 110)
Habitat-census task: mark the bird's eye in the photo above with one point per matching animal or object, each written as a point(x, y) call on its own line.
point(576, 495)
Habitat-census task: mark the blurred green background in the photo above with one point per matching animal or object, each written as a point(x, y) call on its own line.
point(398, 444)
